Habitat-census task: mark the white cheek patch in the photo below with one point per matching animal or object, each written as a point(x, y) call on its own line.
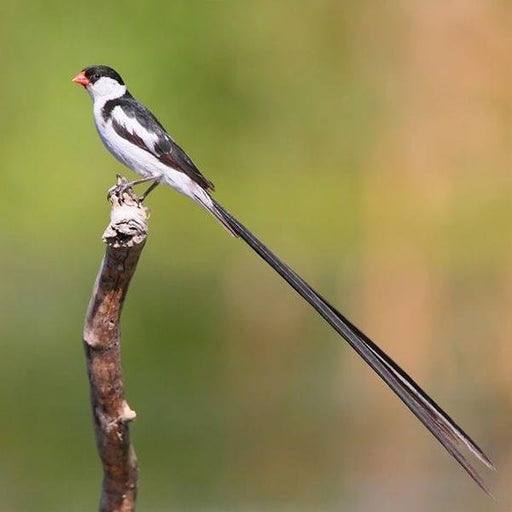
point(107, 87)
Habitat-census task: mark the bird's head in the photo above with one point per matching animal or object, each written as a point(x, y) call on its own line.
point(101, 82)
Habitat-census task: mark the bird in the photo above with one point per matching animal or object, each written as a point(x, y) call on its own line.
point(139, 141)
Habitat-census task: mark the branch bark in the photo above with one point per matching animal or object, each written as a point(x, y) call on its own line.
point(125, 237)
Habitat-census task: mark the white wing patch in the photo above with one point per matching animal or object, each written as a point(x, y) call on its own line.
point(134, 127)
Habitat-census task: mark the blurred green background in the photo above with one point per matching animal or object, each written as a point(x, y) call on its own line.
point(369, 144)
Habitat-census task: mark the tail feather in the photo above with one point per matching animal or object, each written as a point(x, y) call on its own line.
point(446, 431)
point(205, 200)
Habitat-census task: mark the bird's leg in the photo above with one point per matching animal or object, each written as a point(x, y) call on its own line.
point(131, 184)
point(120, 188)
point(149, 190)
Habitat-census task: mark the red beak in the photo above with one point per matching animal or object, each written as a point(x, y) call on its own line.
point(81, 79)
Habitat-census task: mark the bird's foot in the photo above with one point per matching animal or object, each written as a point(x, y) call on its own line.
point(119, 188)
point(123, 186)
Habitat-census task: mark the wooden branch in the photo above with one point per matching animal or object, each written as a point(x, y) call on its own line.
point(125, 237)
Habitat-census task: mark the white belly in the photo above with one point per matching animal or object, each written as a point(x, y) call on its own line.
point(146, 164)
point(137, 159)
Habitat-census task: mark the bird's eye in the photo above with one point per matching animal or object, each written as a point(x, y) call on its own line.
point(96, 76)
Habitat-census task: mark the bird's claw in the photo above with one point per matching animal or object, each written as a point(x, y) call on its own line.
point(119, 188)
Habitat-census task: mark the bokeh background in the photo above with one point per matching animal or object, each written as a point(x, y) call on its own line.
point(367, 143)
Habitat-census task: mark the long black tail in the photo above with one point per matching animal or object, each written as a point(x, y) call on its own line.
point(447, 432)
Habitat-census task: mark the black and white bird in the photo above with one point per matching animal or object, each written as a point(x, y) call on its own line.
point(139, 141)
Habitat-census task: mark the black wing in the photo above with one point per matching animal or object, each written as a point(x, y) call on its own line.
point(145, 131)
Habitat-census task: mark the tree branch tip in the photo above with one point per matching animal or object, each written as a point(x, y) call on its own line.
point(127, 414)
point(119, 195)
point(128, 217)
